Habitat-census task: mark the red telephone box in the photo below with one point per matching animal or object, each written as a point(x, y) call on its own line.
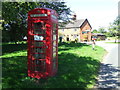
point(42, 43)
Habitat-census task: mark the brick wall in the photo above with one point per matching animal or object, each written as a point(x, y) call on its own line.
point(85, 35)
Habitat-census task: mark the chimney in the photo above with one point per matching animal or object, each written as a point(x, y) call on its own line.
point(74, 17)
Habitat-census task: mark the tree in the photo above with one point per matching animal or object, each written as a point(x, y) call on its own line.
point(94, 31)
point(101, 30)
point(14, 14)
point(60, 8)
point(114, 28)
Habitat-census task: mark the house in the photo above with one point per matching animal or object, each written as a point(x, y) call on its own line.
point(99, 36)
point(79, 30)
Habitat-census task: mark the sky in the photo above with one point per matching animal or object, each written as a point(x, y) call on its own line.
point(100, 13)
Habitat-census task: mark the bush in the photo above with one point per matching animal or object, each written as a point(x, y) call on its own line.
point(98, 39)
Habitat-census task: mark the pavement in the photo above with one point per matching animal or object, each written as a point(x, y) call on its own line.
point(109, 73)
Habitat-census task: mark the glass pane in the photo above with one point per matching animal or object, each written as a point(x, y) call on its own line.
point(54, 49)
point(54, 64)
point(54, 31)
point(54, 55)
point(39, 50)
point(39, 56)
point(39, 28)
point(40, 31)
point(54, 43)
point(38, 44)
point(54, 37)
point(54, 28)
point(39, 65)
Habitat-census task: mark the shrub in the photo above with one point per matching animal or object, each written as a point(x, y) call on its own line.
point(98, 39)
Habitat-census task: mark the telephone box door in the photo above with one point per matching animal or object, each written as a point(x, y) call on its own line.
point(37, 49)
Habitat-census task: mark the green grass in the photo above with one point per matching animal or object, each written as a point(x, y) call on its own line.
point(113, 42)
point(78, 67)
point(113, 38)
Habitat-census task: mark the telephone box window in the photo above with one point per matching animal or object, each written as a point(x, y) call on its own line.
point(54, 60)
point(39, 50)
point(54, 55)
point(38, 44)
point(54, 65)
point(38, 56)
point(53, 16)
point(39, 28)
point(54, 49)
point(54, 37)
point(38, 65)
point(54, 29)
point(54, 43)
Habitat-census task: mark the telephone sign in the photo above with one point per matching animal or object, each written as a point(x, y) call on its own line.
point(38, 15)
point(42, 43)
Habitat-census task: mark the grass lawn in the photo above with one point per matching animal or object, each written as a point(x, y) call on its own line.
point(113, 42)
point(78, 67)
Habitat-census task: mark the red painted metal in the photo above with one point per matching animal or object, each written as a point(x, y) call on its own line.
point(42, 43)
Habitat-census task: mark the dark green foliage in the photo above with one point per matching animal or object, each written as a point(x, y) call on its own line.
point(94, 31)
point(9, 48)
point(14, 14)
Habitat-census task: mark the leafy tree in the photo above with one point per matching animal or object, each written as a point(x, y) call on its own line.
point(108, 34)
point(60, 8)
point(94, 31)
point(101, 30)
point(14, 15)
point(114, 28)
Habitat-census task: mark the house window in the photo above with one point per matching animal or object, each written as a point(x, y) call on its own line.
point(83, 32)
point(75, 35)
point(87, 30)
point(75, 29)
